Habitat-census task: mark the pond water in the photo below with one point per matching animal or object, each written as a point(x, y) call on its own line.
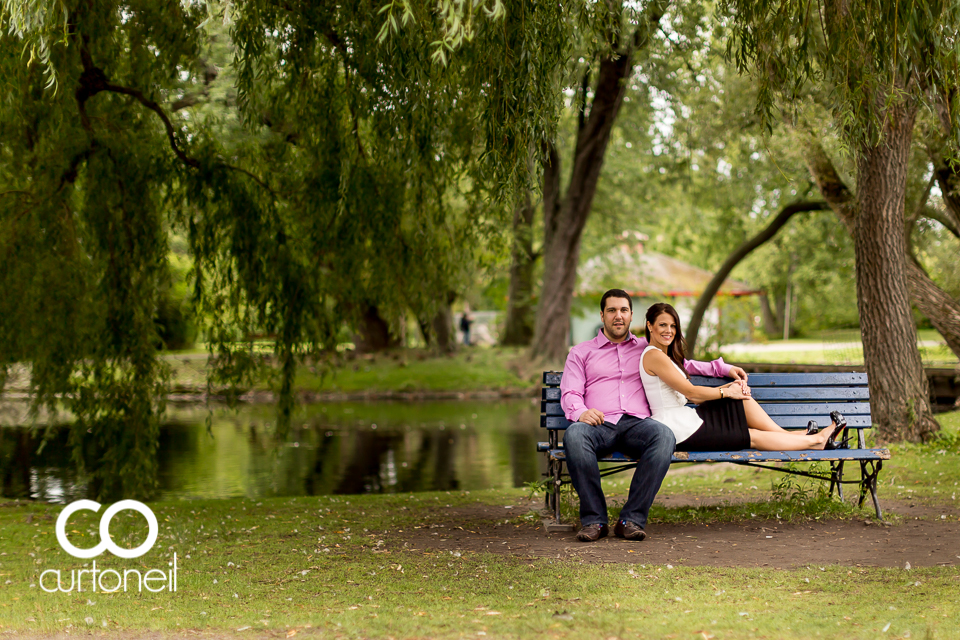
point(337, 448)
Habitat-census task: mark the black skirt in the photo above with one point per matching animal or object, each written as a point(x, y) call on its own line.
point(724, 428)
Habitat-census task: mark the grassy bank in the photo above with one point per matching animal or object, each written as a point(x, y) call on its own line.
point(329, 567)
point(411, 370)
point(832, 348)
point(399, 371)
point(336, 566)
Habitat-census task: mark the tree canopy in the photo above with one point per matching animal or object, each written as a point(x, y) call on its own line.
point(352, 165)
point(330, 165)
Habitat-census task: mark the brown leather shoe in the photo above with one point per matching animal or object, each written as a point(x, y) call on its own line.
point(628, 530)
point(593, 532)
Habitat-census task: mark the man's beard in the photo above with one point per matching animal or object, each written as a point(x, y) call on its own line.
point(617, 332)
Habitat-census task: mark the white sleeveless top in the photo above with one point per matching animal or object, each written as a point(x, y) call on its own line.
point(668, 405)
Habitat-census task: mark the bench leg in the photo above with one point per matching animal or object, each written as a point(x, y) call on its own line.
point(836, 478)
point(546, 494)
point(868, 480)
point(557, 470)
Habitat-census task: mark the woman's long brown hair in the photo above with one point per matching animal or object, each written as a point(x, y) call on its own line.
point(676, 350)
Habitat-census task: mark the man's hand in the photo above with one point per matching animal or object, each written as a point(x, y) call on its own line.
point(738, 374)
point(591, 417)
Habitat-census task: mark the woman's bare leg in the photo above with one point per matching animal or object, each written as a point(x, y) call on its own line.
point(758, 419)
point(784, 440)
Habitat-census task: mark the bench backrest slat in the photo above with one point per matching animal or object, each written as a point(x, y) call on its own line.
point(816, 408)
point(810, 394)
point(552, 379)
point(827, 379)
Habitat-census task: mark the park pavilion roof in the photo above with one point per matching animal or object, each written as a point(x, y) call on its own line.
point(648, 274)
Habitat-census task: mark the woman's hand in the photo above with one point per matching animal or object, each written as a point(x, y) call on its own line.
point(737, 390)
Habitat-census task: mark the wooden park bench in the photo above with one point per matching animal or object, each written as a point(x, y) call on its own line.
point(791, 399)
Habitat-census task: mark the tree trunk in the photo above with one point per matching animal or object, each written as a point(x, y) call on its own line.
point(898, 387)
point(374, 333)
point(734, 259)
point(933, 302)
point(442, 325)
point(949, 181)
point(518, 330)
point(770, 325)
point(425, 331)
point(942, 310)
point(944, 169)
point(564, 219)
point(781, 306)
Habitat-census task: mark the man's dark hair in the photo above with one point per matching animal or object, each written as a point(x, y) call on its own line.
point(615, 293)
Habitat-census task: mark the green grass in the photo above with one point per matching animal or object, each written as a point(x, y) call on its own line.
point(931, 356)
point(329, 567)
point(406, 370)
point(333, 567)
point(928, 473)
point(824, 348)
point(398, 371)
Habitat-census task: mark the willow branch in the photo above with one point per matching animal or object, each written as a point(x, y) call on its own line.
point(739, 254)
point(93, 81)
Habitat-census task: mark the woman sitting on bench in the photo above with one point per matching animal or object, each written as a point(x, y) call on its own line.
point(727, 418)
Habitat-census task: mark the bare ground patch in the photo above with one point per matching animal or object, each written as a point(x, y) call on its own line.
point(922, 539)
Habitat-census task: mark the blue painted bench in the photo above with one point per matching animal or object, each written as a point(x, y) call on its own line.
point(791, 399)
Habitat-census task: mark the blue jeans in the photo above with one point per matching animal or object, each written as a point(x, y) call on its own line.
point(650, 442)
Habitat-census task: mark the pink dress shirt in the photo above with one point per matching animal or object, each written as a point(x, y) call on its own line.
point(606, 376)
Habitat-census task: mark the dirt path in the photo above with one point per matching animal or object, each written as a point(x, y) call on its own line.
point(923, 539)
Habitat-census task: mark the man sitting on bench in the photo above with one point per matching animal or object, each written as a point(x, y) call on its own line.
point(602, 395)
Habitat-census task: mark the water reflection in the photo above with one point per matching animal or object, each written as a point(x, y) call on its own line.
point(332, 449)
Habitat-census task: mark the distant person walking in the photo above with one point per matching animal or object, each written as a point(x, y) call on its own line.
point(465, 321)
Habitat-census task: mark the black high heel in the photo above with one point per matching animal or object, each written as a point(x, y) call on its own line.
point(813, 428)
point(838, 439)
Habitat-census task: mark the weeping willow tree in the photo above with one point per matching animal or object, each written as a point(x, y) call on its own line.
point(356, 166)
point(880, 63)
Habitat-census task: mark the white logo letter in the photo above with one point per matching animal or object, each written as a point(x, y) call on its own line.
point(106, 542)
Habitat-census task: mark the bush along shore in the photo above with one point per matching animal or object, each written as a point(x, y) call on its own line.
point(401, 374)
